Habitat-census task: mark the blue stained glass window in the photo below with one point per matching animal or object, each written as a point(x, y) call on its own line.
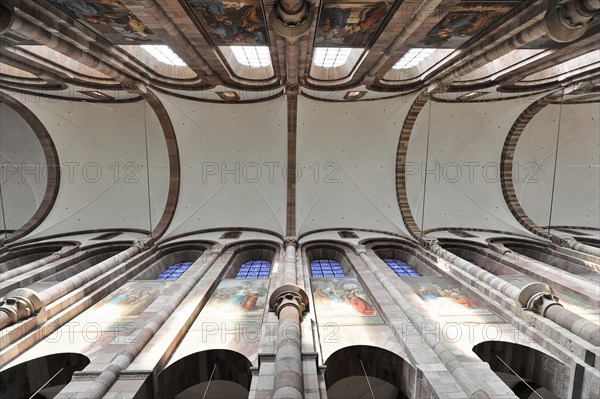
point(326, 268)
point(254, 269)
point(401, 268)
point(173, 272)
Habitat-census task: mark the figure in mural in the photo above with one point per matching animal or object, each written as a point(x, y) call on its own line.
point(110, 17)
point(343, 298)
point(333, 21)
point(350, 24)
point(230, 22)
point(237, 300)
point(462, 22)
point(132, 299)
point(432, 294)
point(369, 18)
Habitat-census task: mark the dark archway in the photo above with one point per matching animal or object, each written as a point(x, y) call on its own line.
point(227, 371)
point(389, 375)
point(47, 374)
point(528, 372)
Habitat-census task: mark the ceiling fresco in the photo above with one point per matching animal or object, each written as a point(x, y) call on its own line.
point(109, 18)
point(463, 21)
point(351, 23)
point(232, 22)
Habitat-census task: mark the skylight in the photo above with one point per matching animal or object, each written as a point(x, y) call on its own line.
point(414, 57)
point(164, 54)
point(331, 57)
point(252, 56)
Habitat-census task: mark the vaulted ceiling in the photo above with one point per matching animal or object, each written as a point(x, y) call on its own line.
point(359, 90)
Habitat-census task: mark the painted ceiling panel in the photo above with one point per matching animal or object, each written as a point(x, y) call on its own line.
point(463, 181)
point(351, 23)
point(232, 165)
point(463, 21)
point(104, 181)
point(576, 198)
point(109, 18)
point(232, 22)
point(348, 164)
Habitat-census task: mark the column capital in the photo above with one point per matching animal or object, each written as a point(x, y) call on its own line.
point(290, 241)
point(431, 244)
point(21, 303)
point(537, 297)
point(289, 295)
point(360, 249)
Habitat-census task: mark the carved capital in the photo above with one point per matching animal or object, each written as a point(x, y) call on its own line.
point(537, 297)
point(290, 241)
point(21, 303)
point(568, 20)
point(431, 244)
point(142, 244)
point(289, 295)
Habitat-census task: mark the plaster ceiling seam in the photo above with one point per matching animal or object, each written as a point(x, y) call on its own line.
point(276, 114)
point(91, 135)
point(24, 176)
point(298, 228)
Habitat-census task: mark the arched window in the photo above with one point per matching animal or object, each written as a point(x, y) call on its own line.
point(401, 268)
point(254, 269)
point(173, 272)
point(326, 268)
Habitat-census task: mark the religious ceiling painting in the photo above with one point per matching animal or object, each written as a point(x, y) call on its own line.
point(351, 23)
point(109, 18)
point(463, 21)
point(446, 301)
point(237, 302)
point(343, 300)
point(232, 22)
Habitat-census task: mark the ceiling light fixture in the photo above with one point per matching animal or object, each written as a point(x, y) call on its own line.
point(164, 54)
point(354, 95)
point(97, 95)
point(228, 95)
point(413, 57)
point(472, 95)
point(331, 57)
point(252, 56)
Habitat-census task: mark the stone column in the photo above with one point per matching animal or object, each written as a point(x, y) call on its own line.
point(572, 243)
point(446, 356)
point(289, 267)
point(22, 303)
point(111, 372)
point(65, 251)
point(536, 297)
point(289, 302)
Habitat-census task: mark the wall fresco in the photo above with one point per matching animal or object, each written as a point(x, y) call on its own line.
point(350, 23)
point(237, 300)
point(109, 18)
point(343, 300)
point(446, 300)
point(126, 304)
point(232, 22)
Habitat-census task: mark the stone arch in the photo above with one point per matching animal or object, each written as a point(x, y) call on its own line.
point(404, 250)
point(546, 253)
point(224, 369)
point(27, 378)
point(248, 251)
point(329, 250)
point(389, 374)
point(52, 166)
point(525, 369)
